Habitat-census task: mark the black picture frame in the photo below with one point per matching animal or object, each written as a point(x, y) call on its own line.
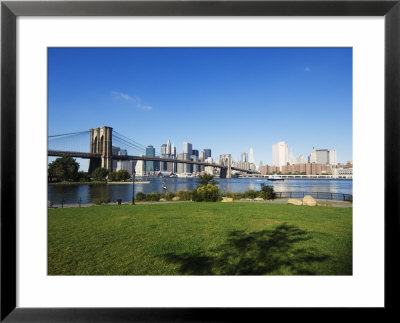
point(10, 10)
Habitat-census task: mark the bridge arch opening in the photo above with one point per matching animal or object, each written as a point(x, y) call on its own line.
point(101, 145)
point(95, 143)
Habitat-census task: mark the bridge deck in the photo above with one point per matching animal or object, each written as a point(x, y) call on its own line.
point(58, 153)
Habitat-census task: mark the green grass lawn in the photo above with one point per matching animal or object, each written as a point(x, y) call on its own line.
point(200, 239)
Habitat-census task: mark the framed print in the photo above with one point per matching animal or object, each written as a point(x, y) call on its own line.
point(327, 72)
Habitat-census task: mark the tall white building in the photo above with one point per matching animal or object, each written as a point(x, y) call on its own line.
point(244, 157)
point(168, 148)
point(251, 156)
point(332, 157)
point(209, 169)
point(140, 168)
point(280, 154)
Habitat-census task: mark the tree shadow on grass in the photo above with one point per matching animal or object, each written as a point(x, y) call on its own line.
point(255, 253)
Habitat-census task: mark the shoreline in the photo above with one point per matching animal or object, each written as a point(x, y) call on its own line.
point(334, 203)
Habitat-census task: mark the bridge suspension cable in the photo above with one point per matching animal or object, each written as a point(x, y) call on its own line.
point(130, 143)
point(135, 142)
point(68, 134)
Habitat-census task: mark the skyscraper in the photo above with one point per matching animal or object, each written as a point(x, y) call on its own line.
point(150, 152)
point(280, 154)
point(244, 157)
point(319, 156)
point(163, 154)
point(207, 153)
point(168, 147)
point(251, 156)
point(173, 151)
point(187, 148)
point(332, 157)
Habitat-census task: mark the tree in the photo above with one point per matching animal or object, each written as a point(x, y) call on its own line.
point(206, 193)
point(64, 168)
point(123, 175)
point(205, 180)
point(120, 175)
point(100, 174)
point(267, 192)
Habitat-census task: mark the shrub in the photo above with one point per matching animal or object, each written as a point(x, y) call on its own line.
point(169, 196)
point(154, 196)
point(99, 201)
point(250, 194)
point(267, 192)
point(207, 193)
point(234, 195)
point(140, 196)
point(185, 195)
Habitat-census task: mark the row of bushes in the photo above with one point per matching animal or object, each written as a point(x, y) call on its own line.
point(208, 193)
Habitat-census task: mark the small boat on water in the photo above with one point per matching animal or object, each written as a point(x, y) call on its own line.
point(275, 178)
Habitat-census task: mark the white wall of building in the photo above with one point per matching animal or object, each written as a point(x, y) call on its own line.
point(280, 156)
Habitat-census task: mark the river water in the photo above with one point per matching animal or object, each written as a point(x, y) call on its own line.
point(72, 194)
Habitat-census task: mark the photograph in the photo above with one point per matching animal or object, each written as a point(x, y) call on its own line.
point(200, 161)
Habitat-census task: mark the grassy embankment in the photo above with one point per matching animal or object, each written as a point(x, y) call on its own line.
point(200, 239)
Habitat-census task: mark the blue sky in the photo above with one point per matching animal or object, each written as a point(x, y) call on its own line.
point(226, 99)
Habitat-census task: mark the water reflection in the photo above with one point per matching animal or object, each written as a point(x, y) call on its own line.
point(73, 193)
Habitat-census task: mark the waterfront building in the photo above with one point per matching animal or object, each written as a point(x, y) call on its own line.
point(301, 160)
point(150, 152)
point(280, 154)
point(319, 156)
point(244, 157)
point(332, 157)
point(251, 156)
point(128, 165)
point(163, 149)
point(187, 148)
point(140, 168)
point(115, 152)
point(269, 170)
point(179, 166)
point(168, 147)
point(207, 153)
point(194, 168)
point(173, 151)
point(163, 154)
point(209, 169)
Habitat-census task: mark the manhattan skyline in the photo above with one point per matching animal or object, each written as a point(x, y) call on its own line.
point(225, 99)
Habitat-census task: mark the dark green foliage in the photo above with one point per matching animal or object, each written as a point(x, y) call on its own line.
point(206, 179)
point(154, 196)
point(64, 169)
point(267, 192)
point(99, 201)
point(169, 196)
point(83, 177)
point(100, 174)
point(206, 193)
point(185, 195)
point(250, 194)
point(121, 175)
point(140, 196)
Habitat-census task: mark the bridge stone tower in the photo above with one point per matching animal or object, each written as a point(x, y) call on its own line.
point(101, 143)
point(226, 161)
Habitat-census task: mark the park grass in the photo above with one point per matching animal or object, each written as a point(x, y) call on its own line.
point(200, 239)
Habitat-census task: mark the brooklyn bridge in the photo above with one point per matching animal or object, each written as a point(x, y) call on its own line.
point(100, 152)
